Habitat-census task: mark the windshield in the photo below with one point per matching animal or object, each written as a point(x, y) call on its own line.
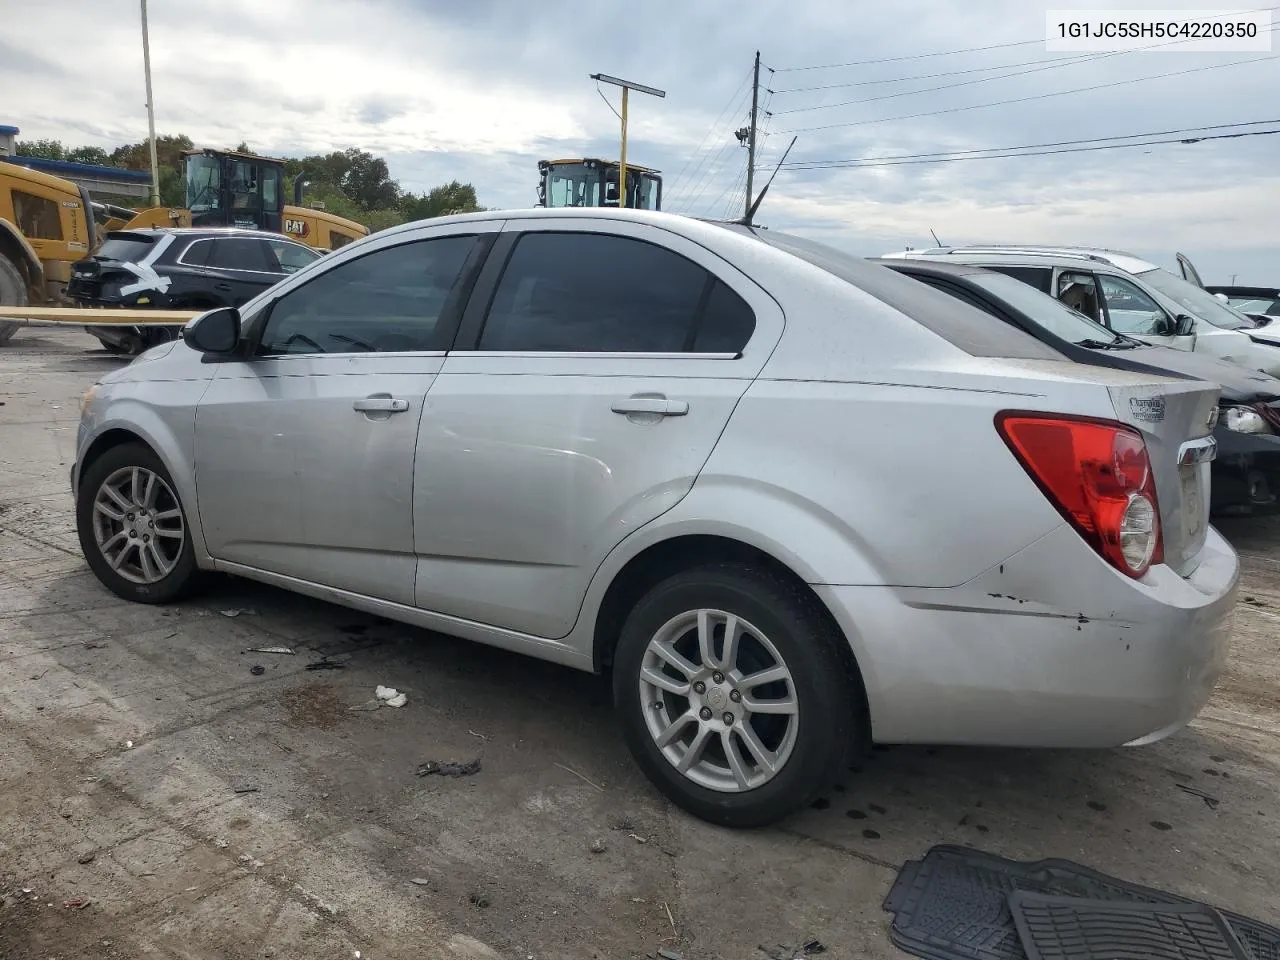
point(124, 248)
point(1251, 305)
point(1051, 314)
point(1196, 300)
point(203, 183)
point(573, 185)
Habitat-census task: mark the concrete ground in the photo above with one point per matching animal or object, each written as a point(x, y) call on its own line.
point(205, 808)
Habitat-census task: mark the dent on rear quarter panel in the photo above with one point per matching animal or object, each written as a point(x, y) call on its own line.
point(874, 483)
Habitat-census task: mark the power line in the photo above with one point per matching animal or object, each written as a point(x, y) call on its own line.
point(994, 46)
point(916, 56)
point(858, 164)
point(1039, 96)
point(746, 79)
point(965, 83)
point(927, 76)
point(708, 169)
point(817, 164)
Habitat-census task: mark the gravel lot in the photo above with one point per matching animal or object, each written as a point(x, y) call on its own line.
point(208, 809)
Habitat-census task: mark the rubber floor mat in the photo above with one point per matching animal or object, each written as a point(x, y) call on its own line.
point(1069, 928)
point(953, 904)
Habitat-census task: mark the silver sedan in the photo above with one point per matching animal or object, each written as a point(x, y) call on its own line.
point(792, 501)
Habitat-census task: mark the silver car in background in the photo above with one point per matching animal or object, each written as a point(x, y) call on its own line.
point(791, 501)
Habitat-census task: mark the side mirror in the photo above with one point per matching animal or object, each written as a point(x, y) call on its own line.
point(1223, 297)
point(1164, 327)
point(1185, 325)
point(216, 332)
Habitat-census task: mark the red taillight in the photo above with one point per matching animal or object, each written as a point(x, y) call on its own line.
point(1097, 473)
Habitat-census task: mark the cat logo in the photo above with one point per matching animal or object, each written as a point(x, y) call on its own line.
point(297, 228)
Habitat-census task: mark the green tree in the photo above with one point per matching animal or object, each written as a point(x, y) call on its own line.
point(94, 155)
point(452, 197)
point(137, 156)
point(42, 149)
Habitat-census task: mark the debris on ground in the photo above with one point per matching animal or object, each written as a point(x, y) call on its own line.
point(637, 838)
point(246, 789)
point(327, 664)
point(448, 768)
point(239, 612)
point(598, 846)
point(810, 948)
point(1209, 801)
point(421, 881)
point(391, 696)
point(257, 669)
point(581, 777)
point(85, 858)
point(666, 954)
point(283, 651)
point(78, 903)
point(128, 744)
point(367, 707)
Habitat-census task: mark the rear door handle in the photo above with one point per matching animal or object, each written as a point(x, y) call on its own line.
point(382, 404)
point(659, 406)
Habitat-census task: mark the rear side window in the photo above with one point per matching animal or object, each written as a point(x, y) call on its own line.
point(240, 253)
point(197, 255)
point(1039, 277)
point(599, 293)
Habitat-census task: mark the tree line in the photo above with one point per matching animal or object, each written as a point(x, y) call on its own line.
point(351, 183)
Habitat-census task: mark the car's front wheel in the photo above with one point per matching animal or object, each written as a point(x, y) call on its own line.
point(734, 697)
point(132, 526)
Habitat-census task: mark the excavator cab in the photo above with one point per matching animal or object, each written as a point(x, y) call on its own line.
point(594, 183)
point(230, 189)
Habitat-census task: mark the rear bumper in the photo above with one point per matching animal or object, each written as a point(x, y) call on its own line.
point(1246, 473)
point(1052, 649)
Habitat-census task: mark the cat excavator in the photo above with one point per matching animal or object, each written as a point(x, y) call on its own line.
point(48, 223)
point(591, 182)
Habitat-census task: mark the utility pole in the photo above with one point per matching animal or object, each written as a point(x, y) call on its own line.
point(151, 110)
point(751, 136)
point(626, 86)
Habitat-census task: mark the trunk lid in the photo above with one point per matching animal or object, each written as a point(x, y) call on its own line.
point(1176, 420)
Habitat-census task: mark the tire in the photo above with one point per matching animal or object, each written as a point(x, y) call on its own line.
point(135, 578)
point(811, 746)
point(13, 293)
point(113, 348)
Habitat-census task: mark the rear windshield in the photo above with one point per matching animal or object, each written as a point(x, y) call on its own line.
point(1197, 301)
point(128, 249)
point(976, 333)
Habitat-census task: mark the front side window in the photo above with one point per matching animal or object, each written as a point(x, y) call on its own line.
point(37, 216)
point(1129, 309)
point(388, 300)
point(240, 253)
point(204, 183)
point(594, 293)
point(1079, 291)
point(291, 257)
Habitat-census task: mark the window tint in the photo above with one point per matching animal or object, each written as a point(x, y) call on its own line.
point(291, 257)
point(959, 293)
point(1039, 277)
point(391, 300)
point(1131, 310)
point(239, 253)
point(1079, 291)
point(593, 293)
point(337, 239)
point(197, 255)
point(726, 324)
point(124, 247)
point(37, 216)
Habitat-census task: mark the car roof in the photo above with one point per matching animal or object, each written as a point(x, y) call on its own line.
point(1038, 252)
point(200, 232)
point(1028, 258)
point(910, 265)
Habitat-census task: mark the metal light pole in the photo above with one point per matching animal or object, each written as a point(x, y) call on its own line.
point(151, 110)
point(627, 86)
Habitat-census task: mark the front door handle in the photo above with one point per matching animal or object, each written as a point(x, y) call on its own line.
point(381, 404)
point(654, 406)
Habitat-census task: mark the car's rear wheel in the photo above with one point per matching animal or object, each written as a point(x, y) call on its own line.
point(133, 529)
point(13, 293)
point(734, 697)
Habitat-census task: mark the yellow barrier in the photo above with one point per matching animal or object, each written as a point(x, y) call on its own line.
point(82, 317)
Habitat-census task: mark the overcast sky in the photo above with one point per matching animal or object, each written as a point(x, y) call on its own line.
point(479, 90)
